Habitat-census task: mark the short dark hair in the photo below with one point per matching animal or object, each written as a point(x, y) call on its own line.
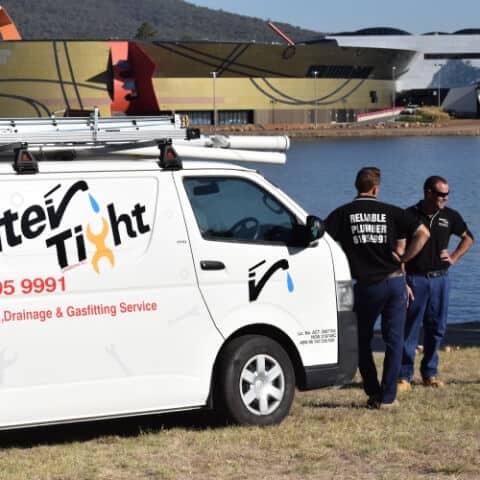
point(367, 178)
point(430, 182)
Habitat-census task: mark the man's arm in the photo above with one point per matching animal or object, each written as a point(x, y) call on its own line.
point(399, 251)
point(400, 246)
point(419, 239)
point(462, 248)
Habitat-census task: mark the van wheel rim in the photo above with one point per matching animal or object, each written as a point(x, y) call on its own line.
point(262, 385)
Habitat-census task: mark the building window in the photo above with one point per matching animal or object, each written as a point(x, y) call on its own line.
point(452, 56)
point(339, 71)
point(225, 117)
point(234, 117)
point(200, 117)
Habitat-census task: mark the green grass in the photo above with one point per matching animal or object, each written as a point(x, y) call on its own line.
point(434, 434)
point(425, 115)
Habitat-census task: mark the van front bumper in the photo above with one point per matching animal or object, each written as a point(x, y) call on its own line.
point(318, 376)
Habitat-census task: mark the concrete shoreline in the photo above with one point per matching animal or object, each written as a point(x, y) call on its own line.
point(460, 335)
point(463, 127)
point(463, 335)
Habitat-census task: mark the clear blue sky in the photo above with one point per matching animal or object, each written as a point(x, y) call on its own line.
point(415, 16)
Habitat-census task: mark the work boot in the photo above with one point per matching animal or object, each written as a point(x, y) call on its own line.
point(433, 382)
point(403, 386)
point(389, 406)
point(373, 402)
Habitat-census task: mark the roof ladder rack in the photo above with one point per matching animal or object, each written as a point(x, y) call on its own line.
point(166, 138)
point(93, 129)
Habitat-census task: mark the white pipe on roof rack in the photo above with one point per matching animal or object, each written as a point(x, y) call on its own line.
point(279, 143)
point(231, 155)
point(186, 152)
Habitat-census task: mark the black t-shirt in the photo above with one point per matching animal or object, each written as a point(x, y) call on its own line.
point(442, 224)
point(367, 231)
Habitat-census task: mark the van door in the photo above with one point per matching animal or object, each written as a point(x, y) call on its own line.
point(241, 230)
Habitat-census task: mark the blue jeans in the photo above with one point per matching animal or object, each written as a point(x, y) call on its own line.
point(387, 298)
point(430, 309)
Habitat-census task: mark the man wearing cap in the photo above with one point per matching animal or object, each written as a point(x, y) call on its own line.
point(427, 277)
point(372, 234)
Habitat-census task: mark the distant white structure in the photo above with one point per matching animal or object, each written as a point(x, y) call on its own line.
point(462, 101)
point(443, 63)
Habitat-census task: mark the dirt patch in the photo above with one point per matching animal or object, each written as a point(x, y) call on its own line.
point(464, 127)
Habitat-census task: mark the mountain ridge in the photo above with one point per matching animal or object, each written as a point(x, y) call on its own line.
point(173, 20)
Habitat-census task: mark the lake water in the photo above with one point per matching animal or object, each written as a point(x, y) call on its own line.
point(320, 175)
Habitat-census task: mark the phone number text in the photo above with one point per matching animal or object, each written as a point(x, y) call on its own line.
point(28, 286)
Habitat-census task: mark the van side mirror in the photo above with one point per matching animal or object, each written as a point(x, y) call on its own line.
point(306, 235)
point(315, 228)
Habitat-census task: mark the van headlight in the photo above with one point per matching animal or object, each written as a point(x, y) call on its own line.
point(344, 295)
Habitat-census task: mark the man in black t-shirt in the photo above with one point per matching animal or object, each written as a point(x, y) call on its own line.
point(427, 276)
point(372, 234)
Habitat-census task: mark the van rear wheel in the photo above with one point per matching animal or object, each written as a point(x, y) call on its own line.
point(256, 381)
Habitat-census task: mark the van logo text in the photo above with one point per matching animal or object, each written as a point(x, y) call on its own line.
point(70, 242)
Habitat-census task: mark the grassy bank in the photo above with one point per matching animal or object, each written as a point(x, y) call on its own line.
point(329, 434)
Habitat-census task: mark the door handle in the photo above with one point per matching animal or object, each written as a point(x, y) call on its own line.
point(211, 265)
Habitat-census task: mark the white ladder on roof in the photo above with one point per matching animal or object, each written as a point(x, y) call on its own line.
point(92, 129)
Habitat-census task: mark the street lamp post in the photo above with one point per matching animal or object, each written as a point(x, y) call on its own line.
point(272, 101)
point(394, 68)
point(477, 91)
point(439, 65)
point(315, 76)
point(214, 76)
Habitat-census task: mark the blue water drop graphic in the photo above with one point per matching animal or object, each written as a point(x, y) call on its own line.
point(290, 285)
point(94, 203)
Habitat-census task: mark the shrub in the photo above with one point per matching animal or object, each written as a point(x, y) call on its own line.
point(431, 114)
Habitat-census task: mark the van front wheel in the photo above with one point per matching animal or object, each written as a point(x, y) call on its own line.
point(256, 381)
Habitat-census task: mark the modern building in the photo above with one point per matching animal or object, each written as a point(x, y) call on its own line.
point(231, 82)
point(445, 70)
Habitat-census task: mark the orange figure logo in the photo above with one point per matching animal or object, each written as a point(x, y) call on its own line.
point(99, 242)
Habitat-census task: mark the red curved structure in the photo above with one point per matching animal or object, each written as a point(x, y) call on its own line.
point(8, 30)
point(132, 72)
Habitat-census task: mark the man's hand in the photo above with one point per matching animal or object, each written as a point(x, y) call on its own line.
point(465, 243)
point(445, 257)
point(396, 256)
point(410, 296)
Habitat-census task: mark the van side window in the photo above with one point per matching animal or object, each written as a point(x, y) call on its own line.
point(237, 209)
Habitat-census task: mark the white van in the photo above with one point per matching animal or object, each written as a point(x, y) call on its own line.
point(129, 288)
